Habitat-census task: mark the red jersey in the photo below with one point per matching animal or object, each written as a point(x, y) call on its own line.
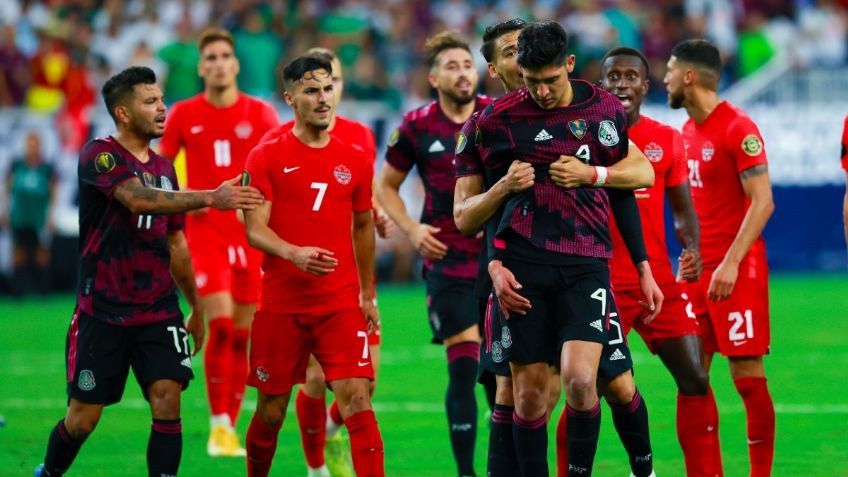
point(663, 147)
point(845, 144)
point(348, 131)
point(314, 193)
point(725, 144)
point(217, 141)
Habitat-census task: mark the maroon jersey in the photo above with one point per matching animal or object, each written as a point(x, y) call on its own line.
point(125, 276)
point(426, 139)
point(553, 219)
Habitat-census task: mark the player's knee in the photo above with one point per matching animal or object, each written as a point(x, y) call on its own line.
point(695, 383)
point(580, 390)
point(532, 402)
point(80, 426)
point(164, 399)
point(315, 375)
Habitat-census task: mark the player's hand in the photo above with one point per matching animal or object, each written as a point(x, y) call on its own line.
point(314, 260)
point(506, 287)
point(723, 281)
point(690, 265)
point(427, 245)
point(231, 195)
point(196, 327)
point(570, 172)
point(368, 305)
point(653, 295)
point(519, 176)
point(385, 226)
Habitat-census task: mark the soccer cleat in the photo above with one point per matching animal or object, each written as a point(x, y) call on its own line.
point(337, 453)
point(39, 471)
point(223, 442)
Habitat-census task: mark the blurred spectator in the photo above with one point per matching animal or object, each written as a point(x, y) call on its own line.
point(259, 51)
point(15, 69)
point(755, 47)
point(30, 185)
point(180, 58)
point(48, 67)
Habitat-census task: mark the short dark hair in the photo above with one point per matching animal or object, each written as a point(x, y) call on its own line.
point(700, 53)
point(298, 67)
point(542, 44)
point(495, 31)
point(627, 51)
point(119, 87)
point(440, 42)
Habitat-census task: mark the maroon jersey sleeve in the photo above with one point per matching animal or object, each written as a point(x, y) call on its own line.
point(678, 173)
point(172, 140)
point(257, 173)
point(401, 148)
point(744, 144)
point(467, 159)
point(102, 168)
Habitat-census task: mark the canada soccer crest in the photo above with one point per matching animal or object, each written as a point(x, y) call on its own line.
point(342, 174)
point(653, 152)
point(707, 151)
point(244, 129)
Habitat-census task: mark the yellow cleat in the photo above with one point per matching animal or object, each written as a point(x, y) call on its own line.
point(337, 454)
point(223, 442)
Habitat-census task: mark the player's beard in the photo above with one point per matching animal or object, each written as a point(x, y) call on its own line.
point(675, 99)
point(147, 129)
point(460, 99)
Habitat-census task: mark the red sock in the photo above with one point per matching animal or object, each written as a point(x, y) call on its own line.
point(562, 446)
point(697, 431)
point(334, 413)
point(261, 445)
point(760, 410)
point(217, 361)
point(312, 419)
point(238, 371)
point(366, 445)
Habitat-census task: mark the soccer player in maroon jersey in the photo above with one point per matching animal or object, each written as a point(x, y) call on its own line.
point(845, 167)
point(218, 128)
point(478, 193)
point(133, 252)
point(317, 297)
point(426, 139)
point(319, 427)
point(731, 191)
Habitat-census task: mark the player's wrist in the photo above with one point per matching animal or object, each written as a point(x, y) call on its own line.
point(643, 268)
point(600, 176)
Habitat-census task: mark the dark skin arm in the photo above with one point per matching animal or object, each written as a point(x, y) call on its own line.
point(183, 272)
point(230, 195)
point(688, 232)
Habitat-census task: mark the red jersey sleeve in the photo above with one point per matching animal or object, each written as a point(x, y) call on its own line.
point(845, 144)
point(467, 160)
point(362, 193)
point(101, 168)
point(172, 140)
point(678, 173)
point(268, 120)
point(401, 148)
point(257, 173)
point(744, 144)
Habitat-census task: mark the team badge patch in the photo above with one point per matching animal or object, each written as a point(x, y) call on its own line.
point(149, 179)
point(104, 162)
point(478, 136)
point(707, 151)
point(578, 127)
point(86, 380)
point(461, 141)
point(607, 133)
point(244, 129)
point(393, 139)
point(342, 174)
point(506, 337)
point(653, 152)
point(262, 374)
point(166, 183)
point(245, 179)
point(752, 145)
point(497, 352)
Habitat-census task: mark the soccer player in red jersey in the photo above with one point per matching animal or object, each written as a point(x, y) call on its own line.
point(845, 167)
point(731, 191)
point(133, 253)
point(218, 128)
point(317, 297)
point(426, 139)
point(319, 429)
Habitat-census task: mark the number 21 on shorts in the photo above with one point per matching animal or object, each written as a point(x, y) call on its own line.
point(742, 327)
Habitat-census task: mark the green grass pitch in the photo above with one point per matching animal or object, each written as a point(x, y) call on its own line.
point(806, 377)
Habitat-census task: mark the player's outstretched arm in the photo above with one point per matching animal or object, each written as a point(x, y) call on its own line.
point(364, 249)
point(314, 260)
point(183, 272)
point(148, 200)
point(421, 235)
point(632, 172)
point(688, 231)
point(757, 187)
point(472, 207)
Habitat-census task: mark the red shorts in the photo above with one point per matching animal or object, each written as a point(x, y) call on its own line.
point(280, 345)
point(227, 268)
point(675, 319)
point(739, 325)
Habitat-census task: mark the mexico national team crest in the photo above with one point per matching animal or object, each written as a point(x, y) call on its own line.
point(506, 337)
point(707, 151)
point(244, 129)
point(653, 152)
point(166, 183)
point(578, 127)
point(461, 141)
point(86, 380)
point(752, 145)
point(104, 162)
point(607, 133)
point(342, 174)
point(497, 351)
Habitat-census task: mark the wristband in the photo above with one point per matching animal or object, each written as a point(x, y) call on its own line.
point(599, 177)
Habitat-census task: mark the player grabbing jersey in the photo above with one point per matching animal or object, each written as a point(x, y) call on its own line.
point(728, 176)
point(317, 293)
point(218, 128)
point(133, 253)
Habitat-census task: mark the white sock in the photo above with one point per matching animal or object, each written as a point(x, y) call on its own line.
point(220, 419)
point(319, 472)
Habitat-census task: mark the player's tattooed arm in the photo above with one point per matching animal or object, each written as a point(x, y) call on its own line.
point(632, 172)
point(688, 231)
point(754, 171)
point(183, 272)
point(472, 207)
point(364, 250)
point(140, 199)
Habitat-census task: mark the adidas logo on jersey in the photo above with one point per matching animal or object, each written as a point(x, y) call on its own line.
point(597, 325)
point(437, 146)
point(616, 355)
point(543, 136)
point(186, 362)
